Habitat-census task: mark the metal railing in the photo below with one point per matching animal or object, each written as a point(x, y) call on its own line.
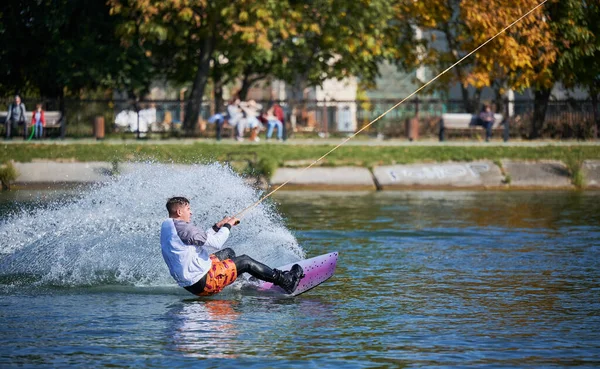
point(125, 118)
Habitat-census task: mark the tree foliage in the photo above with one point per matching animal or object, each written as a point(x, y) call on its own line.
point(521, 57)
point(290, 40)
point(55, 48)
point(61, 47)
point(556, 43)
point(184, 35)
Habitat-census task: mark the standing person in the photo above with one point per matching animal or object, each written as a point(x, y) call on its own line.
point(15, 117)
point(186, 251)
point(486, 120)
point(38, 121)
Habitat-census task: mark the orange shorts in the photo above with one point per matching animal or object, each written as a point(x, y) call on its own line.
point(221, 274)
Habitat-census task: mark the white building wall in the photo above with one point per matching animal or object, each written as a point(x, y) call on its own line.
point(344, 92)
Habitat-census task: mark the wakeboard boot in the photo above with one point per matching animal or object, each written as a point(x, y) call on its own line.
point(288, 280)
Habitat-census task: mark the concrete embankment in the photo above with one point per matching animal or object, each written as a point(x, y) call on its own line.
point(451, 175)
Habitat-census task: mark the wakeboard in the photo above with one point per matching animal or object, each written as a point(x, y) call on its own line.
point(316, 271)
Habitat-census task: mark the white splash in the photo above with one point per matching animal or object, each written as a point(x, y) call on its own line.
point(110, 234)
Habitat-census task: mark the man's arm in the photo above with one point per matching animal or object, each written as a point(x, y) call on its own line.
point(219, 233)
point(23, 110)
point(189, 234)
point(214, 237)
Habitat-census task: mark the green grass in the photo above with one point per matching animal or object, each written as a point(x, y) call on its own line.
point(355, 155)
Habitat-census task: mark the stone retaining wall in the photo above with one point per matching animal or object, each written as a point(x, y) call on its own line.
point(473, 175)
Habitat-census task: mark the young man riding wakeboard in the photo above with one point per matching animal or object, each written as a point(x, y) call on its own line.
point(186, 250)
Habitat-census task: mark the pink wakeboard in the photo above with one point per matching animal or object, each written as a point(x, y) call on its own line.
point(316, 271)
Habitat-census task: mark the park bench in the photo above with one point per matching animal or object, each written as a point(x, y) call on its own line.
point(467, 123)
point(53, 121)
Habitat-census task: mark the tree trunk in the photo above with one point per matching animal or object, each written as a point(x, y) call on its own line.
point(540, 106)
point(594, 95)
point(218, 96)
point(476, 101)
point(465, 98)
point(63, 114)
point(247, 83)
point(499, 102)
point(452, 44)
point(243, 92)
point(217, 78)
point(194, 104)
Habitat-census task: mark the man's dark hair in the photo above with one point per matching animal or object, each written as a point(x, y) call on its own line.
point(175, 202)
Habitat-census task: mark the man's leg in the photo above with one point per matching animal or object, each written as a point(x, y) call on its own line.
point(218, 124)
point(488, 130)
point(241, 126)
point(7, 127)
point(245, 264)
point(286, 280)
point(224, 254)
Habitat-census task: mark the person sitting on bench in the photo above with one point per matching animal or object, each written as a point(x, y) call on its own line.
point(486, 120)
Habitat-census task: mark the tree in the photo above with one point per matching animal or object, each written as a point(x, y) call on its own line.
point(433, 35)
point(520, 58)
point(185, 36)
point(318, 40)
point(61, 47)
point(578, 63)
point(334, 39)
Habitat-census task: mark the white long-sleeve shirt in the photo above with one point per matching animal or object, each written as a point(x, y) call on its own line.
point(185, 249)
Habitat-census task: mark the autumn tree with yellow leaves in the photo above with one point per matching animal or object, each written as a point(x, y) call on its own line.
point(522, 57)
point(537, 52)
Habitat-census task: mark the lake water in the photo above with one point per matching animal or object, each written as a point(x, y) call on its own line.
point(436, 279)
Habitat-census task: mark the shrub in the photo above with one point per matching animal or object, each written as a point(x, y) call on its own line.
point(8, 174)
point(574, 165)
point(266, 167)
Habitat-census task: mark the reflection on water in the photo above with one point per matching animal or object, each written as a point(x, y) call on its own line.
point(457, 278)
point(205, 329)
point(235, 325)
point(417, 209)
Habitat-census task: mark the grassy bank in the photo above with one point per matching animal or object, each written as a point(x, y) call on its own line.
point(290, 155)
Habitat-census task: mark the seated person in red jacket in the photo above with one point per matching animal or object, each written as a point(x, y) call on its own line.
point(38, 121)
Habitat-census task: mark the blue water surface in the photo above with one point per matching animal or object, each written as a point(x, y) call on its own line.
point(424, 279)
